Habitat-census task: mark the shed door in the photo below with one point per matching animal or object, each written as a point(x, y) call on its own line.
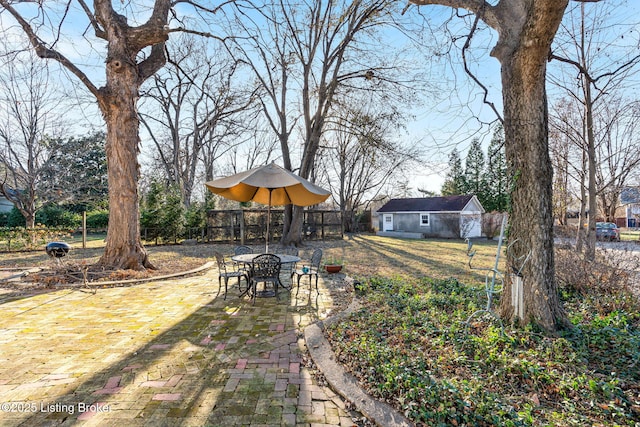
point(470, 224)
point(387, 222)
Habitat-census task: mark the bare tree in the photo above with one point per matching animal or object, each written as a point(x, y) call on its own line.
point(589, 45)
point(562, 142)
point(265, 49)
point(29, 114)
point(359, 155)
point(193, 104)
point(618, 158)
point(617, 152)
point(305, 56)
point(258, 147)
point(525, 32)
point(133, 51)
point(569, 158)
point(263, 46)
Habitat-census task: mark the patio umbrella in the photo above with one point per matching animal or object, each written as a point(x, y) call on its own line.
point(270, 185)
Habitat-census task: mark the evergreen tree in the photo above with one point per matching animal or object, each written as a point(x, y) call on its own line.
point(76, 172)
point(496, 179)
point(151, 210)
point(474, 171)
point(173, 215)
point(454, 182)
point(162, 212)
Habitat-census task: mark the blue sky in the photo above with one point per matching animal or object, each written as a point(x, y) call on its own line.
point(451, 119)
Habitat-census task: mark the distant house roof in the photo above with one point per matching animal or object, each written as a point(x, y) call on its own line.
point(5, 205)
point(428, 204)
point(630, 196)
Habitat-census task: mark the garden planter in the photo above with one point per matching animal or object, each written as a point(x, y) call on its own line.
point(333, 268)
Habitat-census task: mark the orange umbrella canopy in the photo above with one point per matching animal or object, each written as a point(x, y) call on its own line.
point(270, 185)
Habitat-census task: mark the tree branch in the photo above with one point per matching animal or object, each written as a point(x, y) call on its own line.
point(198, 33)
point(153, 63)
point(629, 63)
point(584, 71)
point(99, 32)
point(579, 66)
point(489, 12)
point(199, 6)
point(485, 91)
point(44, 52)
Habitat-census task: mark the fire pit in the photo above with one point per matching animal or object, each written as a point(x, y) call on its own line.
point(57, 249)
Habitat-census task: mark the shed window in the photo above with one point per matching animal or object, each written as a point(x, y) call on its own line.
point(424, 219)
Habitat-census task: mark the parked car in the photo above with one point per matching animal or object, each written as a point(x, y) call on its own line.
point(607, 231)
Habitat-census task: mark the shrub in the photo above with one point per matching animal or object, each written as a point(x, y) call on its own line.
point(491, 224)
point(172, 216)
point(98, 219)
point(162, 213)
point(610, 272)
point(56, 216)
point(195, 216)
point(15, 218)
point(20, 238)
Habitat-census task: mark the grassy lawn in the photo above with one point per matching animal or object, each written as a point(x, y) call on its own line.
point(363, 256)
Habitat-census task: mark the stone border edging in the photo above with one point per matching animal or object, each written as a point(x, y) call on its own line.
point(343, 382)
point(21, 273)
point(204, 267)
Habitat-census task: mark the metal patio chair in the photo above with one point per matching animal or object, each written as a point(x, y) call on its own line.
point(265, 268)
point(226, 273)
point(311, 268)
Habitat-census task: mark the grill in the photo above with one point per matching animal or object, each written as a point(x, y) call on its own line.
point(57, 249)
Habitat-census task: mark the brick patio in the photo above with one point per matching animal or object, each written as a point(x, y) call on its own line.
point(162, 354)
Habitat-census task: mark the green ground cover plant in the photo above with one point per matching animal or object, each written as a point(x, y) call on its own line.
point(410, 345)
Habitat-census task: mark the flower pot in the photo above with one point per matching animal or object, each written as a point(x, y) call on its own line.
point(333, 268)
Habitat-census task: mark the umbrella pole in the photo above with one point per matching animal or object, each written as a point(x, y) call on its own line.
point(268, 222)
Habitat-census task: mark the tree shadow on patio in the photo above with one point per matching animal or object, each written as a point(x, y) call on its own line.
point(168, 353)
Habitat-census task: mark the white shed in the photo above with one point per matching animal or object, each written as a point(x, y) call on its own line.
point(446, 216)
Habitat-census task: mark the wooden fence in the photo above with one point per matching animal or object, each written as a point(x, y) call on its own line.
point(251, 225)
point(240, 226)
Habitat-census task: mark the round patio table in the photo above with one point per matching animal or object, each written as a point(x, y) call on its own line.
point(248, 260)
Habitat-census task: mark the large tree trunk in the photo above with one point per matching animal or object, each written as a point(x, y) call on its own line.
point(531, 218)
point(30, 220)
point(133, 55)
point(590, 248)
point(293, 235)
point(123, 246)
point(523, 59)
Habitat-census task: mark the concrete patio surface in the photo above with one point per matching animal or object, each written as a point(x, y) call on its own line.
point(165, 353)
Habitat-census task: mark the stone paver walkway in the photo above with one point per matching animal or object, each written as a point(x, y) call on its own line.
point(170, 353)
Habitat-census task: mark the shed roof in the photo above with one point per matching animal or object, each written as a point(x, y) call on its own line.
point(427, 204)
